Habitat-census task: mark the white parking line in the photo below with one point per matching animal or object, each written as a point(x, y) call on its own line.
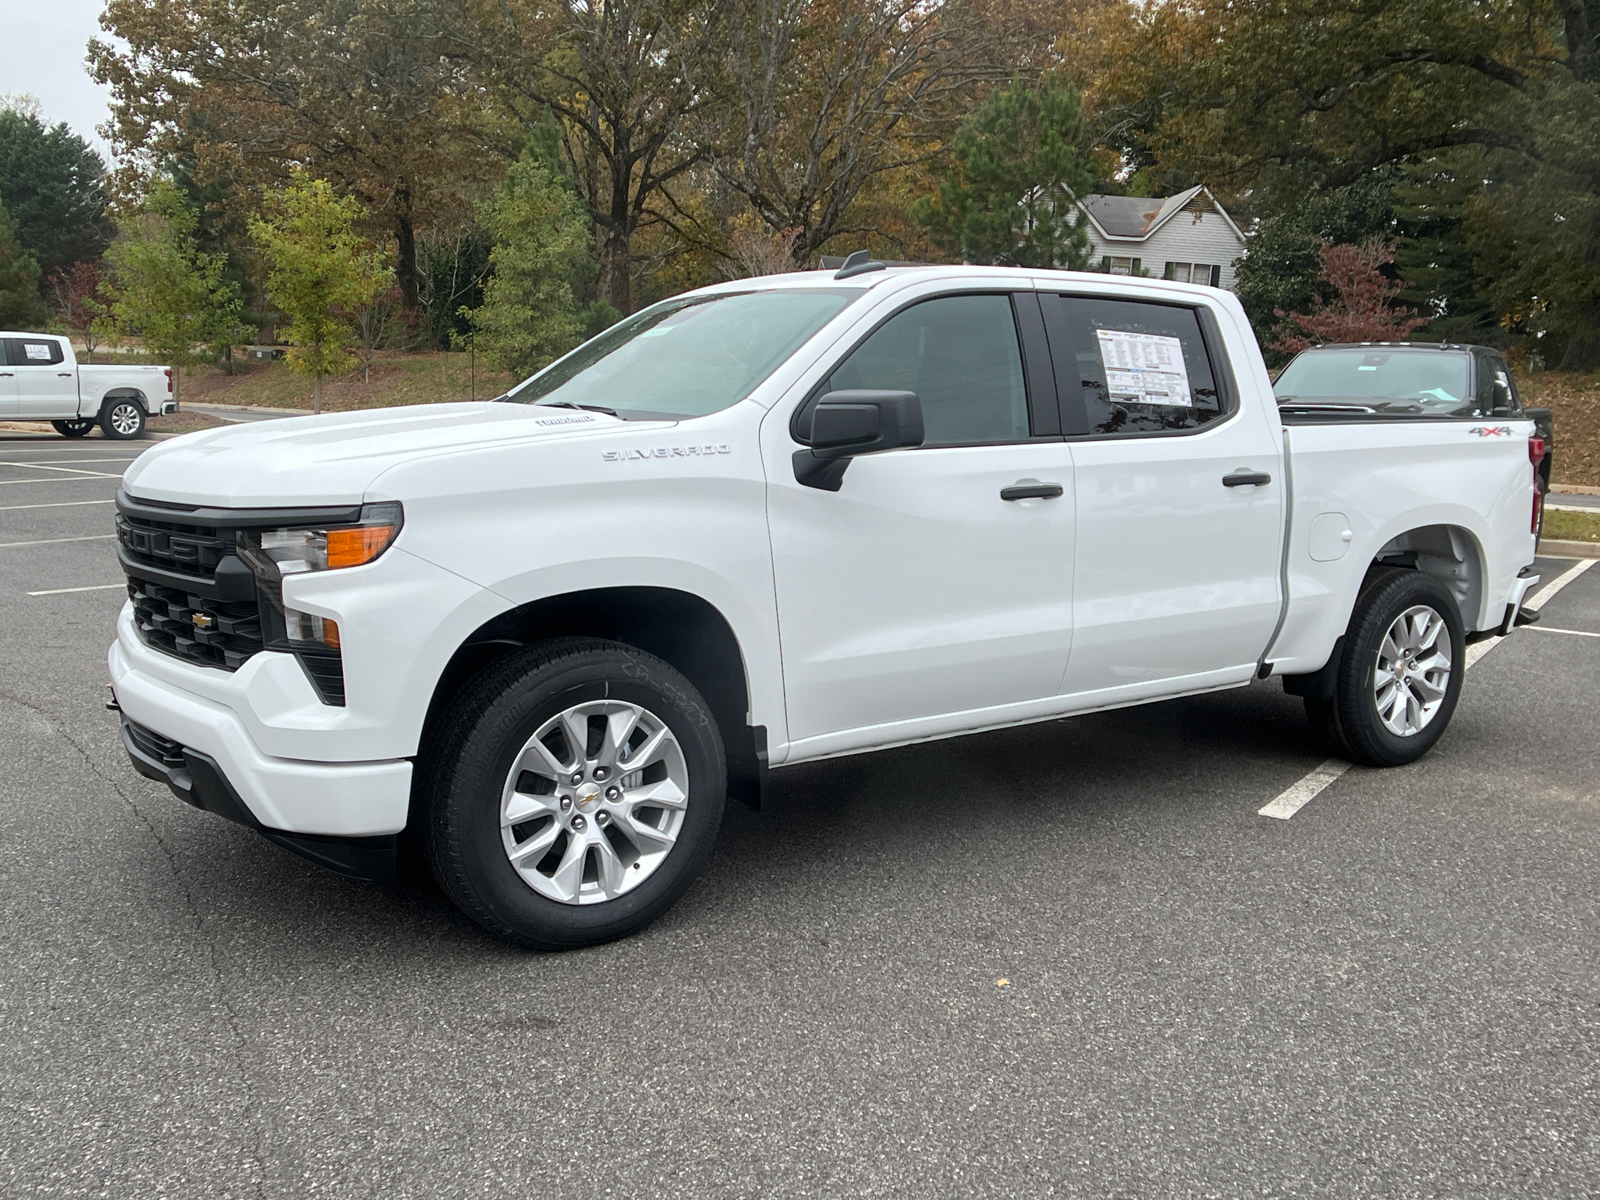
point(66, 470)
point(68, 460)
point(1292, 799)
point(98, 587)
point(1553, 629)
point(87, 477)
point(93, 537)
point(56, 504)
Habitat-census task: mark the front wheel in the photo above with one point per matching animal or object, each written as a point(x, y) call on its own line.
point(1400, 675)
point(572, 793)
point(123, 419)
point(74, 429)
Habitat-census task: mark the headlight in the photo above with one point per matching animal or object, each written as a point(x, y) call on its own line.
point(274, 554)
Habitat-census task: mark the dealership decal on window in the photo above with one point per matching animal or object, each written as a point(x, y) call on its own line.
point(42, 353)
point(1144, 368)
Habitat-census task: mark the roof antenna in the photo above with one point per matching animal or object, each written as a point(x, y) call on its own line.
point(858, 264)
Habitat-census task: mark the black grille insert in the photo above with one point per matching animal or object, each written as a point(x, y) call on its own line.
point(210, 632)
point(171, 546)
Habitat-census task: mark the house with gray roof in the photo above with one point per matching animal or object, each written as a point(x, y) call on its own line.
point(1187, 237)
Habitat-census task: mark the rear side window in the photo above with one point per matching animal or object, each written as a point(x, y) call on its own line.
point(960, 355)
point(1140, 367)
point(33, 352)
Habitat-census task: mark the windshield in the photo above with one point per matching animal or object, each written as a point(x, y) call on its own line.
point(687, 357)
point(1433, 382)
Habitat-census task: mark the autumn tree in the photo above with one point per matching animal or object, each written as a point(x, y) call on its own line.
point(74, 294)
point(320, 273)
point(362, 92)
point(163, 290)
point(1363, 306)
point(624, 82)
point(831, 98)
point(1010, 197)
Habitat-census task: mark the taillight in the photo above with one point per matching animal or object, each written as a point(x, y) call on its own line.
point(1538, 508)
point(168, 374)
point(1536, 450)
point(1536, 456)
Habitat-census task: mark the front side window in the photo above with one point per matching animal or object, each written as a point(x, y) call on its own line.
point(686, 357)
point(1387, 381)
point(960, 355)
point(1141, 367)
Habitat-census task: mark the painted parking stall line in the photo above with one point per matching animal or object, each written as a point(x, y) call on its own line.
point(53, 504)
point(1295, 797)
point(93, 537)
point(93, 587)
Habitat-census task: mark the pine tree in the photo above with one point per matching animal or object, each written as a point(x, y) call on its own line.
point(20, 306)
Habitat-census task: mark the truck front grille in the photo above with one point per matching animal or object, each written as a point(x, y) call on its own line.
point(172, 546)
point(212, 633)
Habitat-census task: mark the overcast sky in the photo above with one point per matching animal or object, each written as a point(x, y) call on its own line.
point(44, 45)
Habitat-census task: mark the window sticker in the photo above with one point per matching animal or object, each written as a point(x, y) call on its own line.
point(37, 352)
point(1144, 368)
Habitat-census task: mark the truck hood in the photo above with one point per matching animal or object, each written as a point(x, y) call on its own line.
point(334, 458)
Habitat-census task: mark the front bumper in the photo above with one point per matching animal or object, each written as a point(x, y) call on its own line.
point(196, 779)
point(282, 795)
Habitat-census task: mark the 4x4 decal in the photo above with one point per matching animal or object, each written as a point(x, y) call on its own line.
point(1493, 431)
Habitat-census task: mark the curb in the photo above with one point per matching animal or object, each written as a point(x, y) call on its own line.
point(202, 405)
point(1551, 548)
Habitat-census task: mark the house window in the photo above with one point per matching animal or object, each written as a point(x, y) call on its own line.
point(1182, 272)
point(1119, 266)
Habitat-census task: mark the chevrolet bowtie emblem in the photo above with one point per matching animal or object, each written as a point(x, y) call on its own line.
point(203, 621)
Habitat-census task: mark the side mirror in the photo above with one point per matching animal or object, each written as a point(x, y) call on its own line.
point(845, 424)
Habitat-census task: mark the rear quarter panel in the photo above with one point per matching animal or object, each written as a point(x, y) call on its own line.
point(1386, 478)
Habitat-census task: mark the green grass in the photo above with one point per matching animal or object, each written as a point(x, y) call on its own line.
point(1572, 527)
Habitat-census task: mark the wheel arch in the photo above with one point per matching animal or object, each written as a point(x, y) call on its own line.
point(683, 629)
point(1450, 553)
point(122, 393)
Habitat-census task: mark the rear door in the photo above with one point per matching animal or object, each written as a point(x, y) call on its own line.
point(8, 381)
point(918, 590)
point(1180, 500)
point(47, 385)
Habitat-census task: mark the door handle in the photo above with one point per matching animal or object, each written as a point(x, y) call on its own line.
point(1031, 491)
point(1243, 478)
point(63, 374)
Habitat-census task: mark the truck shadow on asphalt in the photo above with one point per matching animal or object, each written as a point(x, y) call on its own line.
point(956, 812)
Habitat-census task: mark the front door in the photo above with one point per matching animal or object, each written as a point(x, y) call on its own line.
point(47, 385)
point(1178, 556)
point(917, 591)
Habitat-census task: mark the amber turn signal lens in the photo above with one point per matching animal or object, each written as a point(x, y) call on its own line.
point(330, 633)
point(352, 547)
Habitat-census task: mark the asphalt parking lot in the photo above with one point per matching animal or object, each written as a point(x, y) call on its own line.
point(1064, 960)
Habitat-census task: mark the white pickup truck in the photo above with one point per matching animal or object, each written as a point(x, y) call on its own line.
point(774, 521)
point(42, 380)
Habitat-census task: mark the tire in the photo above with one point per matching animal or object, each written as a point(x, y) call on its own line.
point(122, 419)
point(74, 429)
point(1429, 647)
point(564, 875)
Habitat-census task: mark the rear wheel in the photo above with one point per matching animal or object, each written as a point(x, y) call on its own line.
point(1399, 677)
point(74, 429)
point(572, 793)
point(122, 418)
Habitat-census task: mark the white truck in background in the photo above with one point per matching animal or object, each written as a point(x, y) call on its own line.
point(773, 521)
point(42, 380)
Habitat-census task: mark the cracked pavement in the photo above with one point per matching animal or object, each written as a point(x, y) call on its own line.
point(1392, 994)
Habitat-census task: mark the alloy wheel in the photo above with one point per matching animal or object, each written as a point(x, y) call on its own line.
point(594, 802)
point(1413, 670)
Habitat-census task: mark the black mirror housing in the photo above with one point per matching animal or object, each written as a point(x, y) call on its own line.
point(848, 423)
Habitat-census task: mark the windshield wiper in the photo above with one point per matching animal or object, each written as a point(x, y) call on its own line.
point(610, 412)
point(1322, 406)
